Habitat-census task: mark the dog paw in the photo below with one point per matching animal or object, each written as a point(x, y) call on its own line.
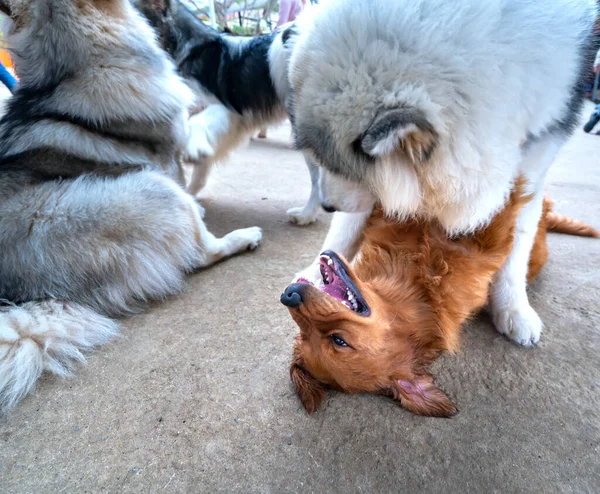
point(520, 324)
point(298, 217)
point(312, 273)
point(251, 237)
point(197, 148)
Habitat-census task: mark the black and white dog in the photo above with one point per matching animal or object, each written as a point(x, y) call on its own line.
point(241, 84)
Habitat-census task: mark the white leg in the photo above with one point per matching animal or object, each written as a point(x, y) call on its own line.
point(200, 173)
point(213, 249)
point(512, 314)
point(308, 213)
point(208, 130)
point(344, 238)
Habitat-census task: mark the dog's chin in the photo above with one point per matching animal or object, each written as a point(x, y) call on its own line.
point(345, 207)
point(352, 203)
point(339, 194)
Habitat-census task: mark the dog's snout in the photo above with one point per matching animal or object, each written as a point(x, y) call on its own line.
point(328, 208)
point(292, 296)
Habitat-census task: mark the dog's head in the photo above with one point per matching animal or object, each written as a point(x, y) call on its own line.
point(34, 14)
point(363, 110)
point(375, 162)
point(363, 337)
point(174, 23)
point(53, 39)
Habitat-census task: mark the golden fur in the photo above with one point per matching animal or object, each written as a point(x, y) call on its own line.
point(421, 286)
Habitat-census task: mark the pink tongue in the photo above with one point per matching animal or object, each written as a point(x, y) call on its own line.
point(336, 289)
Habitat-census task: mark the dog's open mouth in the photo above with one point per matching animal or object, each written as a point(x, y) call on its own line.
point(336, 283)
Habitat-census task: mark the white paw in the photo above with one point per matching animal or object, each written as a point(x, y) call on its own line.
point(251, 237)
point(312, 273)
point(197, 147)
point(521, 324)
point(298, 217)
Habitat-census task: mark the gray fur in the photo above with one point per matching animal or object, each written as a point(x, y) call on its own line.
point(92, 220)
point(107, 243)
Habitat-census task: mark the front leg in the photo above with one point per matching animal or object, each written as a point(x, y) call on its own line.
point(512, 314)
point(207, 134)
point(344, 238)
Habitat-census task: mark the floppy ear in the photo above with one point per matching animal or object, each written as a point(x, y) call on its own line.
point(404, 130)
point(308, 389)
point(421, 396)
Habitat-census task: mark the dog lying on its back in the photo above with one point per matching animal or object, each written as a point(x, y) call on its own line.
point(376, 326)
point(241, 84)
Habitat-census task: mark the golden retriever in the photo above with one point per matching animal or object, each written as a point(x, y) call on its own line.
point(376, 326)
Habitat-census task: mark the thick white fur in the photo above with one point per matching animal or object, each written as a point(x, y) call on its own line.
point(479, 71)
point(481, 74)
point(45, 337)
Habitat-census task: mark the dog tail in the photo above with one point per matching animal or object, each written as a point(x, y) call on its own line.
point(46, 336)
point(560, 223)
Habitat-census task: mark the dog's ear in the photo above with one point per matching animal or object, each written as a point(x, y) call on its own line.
point(5, 7)
point(308, 389)
point(404, 130)
point(420, 395)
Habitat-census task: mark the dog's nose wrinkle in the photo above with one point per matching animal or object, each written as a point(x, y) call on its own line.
point(291, 297)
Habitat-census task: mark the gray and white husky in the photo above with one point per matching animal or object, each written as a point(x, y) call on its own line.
point(93, 221)
point(241, 86)
point(433, 108)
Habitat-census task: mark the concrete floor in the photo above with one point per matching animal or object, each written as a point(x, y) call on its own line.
point(196, 395)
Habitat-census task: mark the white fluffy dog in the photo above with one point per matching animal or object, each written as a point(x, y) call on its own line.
point(433, 108)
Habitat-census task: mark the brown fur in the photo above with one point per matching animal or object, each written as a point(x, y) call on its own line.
point(420, 286)
point(113, 8)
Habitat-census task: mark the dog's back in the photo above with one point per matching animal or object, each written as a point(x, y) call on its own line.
point(71, 116)
point(232, 70)
point(81, 236)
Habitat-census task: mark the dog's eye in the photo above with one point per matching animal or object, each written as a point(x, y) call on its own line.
point(337, 341)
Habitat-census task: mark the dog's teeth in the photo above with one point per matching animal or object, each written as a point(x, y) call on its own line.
point(350, 296)
point(330, 262)
point(347, 304)
point(355, 305)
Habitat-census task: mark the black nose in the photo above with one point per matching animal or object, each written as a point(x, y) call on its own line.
point(292, 296)
point(328, 208)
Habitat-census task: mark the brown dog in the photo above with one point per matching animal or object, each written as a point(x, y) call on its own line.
point(375, 327)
